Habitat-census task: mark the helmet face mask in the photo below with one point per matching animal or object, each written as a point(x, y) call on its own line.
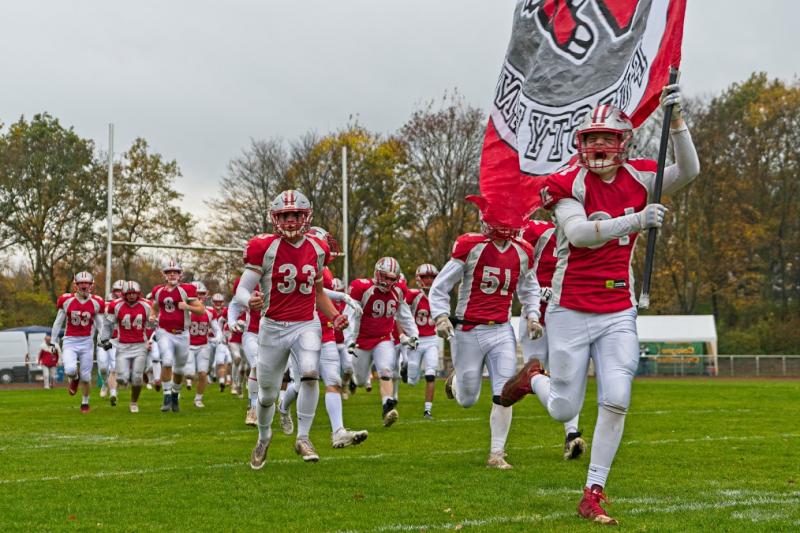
point(84, 283)
point(131, 291)
point(218, 300)
point(604, 138)
point(116, 288)
point(172, 271)
point(291, 214)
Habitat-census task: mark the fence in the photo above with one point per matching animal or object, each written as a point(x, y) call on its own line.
point(726, 365)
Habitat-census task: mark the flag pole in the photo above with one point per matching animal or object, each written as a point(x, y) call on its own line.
point(652, 234)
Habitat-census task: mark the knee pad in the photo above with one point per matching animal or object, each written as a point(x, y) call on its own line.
point(563, 410)
point(137, 381)
point(430, 378)
point(616, 409)
point(309, 378)
point(386, 374)
point(265, 399)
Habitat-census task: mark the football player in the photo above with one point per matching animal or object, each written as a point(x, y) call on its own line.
point(172, 303)
point(202, 326)
point(106, 358)
point(246, 331)
point(83, 313)
point(283, 278)
point(128, 316)
point(221, 355)
point(345, 357)
point(539, 233)
point(490, 266)
point(600, 205)
point(425, 358)
point(369, 337)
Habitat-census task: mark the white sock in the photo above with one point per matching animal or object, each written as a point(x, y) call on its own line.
point(113, 392)
point(605, 442)
point(198, 397)
point(252, 391)
point(167, 387)
point(288, 398)
point(541, 387)
point(428, 406)
point(499, 424)
point(84, 399)
point(264, 422)
point(281, 395)
point(176, 387)
point(571, 426)
point(307, 399)
point(333, 404)
point(395, 387)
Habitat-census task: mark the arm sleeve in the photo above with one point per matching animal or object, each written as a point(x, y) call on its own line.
point(406, 319)
point(241, 300)
point(108, 326)
point(687, 164)
point(216, 329)
point(57, 323)
point(335, 296)
point(584, 233)
point(439, 295)
point(529, 294)
point(353, 325)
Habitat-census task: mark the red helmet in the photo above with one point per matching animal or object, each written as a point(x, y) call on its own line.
point(605, 118)
point(387, 273)
point(290, 201)
point(425, 274)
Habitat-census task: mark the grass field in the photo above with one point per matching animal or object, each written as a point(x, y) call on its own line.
point(697, 455)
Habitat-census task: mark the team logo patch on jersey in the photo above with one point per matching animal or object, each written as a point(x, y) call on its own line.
point(616, 284)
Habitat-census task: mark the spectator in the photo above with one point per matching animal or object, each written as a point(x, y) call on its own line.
point(49, 360)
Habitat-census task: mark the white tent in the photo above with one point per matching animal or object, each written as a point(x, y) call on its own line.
point(679, 328)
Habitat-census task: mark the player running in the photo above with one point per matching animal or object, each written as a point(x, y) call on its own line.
point(369, 337)
point(83, 313)
point(106, 359)
point(172, 304)
point(128, 316)
point(490, 266)
point(202, 326)
point(220, 355)
point(600, 205)
point(283, 278)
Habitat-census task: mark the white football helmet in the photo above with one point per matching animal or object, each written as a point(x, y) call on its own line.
point(84, 283)
point(425, 275)
point(605, 118)
point(291, 201)
point(218, 298)
point(338, 285)
point(387, 273)
point(168, 267)
point(117, 285)
point(131, 288)
point(201, 288)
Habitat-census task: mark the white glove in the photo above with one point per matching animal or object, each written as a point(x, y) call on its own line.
point(671, 95)
point(351, 349)
point(534, 328)
point(411, 342)
point(354, 305)
point(444, 328)
point(238, 326)
point(546, 294)
point(652, 216)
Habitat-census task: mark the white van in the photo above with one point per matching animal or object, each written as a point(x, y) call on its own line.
point(13, 350)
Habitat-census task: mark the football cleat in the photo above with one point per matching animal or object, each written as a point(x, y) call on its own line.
point(259, 456)
point(352, 386)
point(251, 418)
point(574, 446)
point(149, 386)
point(390, 414)
point(448, 385)
point(287, 425)
point(427, 415)
point(72, 388)
point(175, 405)
point(344, 437)
point(157, 385)
point(167, 405)
point(345, 394)
point(368, 388)
point(199, 403)
point(519, 385)
point(188, 384)
point(498, 460)
point(591, 509)
point(134, 408)
point(306, 450)
point(222, 386)
point(84, 408)
point(103, 391)
point(113, 400)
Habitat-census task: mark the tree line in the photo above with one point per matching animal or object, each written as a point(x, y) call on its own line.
point(730, 246)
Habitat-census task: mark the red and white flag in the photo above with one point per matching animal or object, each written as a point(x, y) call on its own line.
point(566, 57)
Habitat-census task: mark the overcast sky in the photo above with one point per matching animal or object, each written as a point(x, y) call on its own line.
point(198, 79)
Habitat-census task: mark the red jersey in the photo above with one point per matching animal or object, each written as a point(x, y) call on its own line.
point(490, 277)
point(328, 334)
point(338, 334)
point(200, 328)
point(379, 307)
point(131, 320)
point(48, 358)
point(221, 313)
point(79, 314)
point(417, 300)
point(539, 233)
point(170, 317)
point(288, 274)
point(598, 279)
point(236, 336)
